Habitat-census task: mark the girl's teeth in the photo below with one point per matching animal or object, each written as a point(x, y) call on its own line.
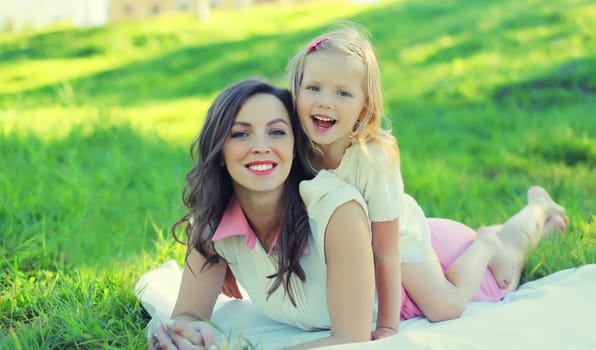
point(323, 122)
point(323, 119)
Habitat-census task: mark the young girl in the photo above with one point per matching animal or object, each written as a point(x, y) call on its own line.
point(336, 84)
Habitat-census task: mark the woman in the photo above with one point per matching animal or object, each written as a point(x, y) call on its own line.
point(245, 213)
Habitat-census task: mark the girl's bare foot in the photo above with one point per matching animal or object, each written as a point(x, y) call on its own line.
point(502, 264)
point(538, 196)
point(556, 217)
point(553, 224)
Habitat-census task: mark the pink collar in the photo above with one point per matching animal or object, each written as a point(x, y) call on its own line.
point(234, 223)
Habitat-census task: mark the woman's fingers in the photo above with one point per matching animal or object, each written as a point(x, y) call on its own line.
point(196, 333)
point(173, 335)
point(188, 332)
point(208, 333)
point(183, 343)
point(164, 342)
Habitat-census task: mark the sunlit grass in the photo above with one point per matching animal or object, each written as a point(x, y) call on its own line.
point(486, 99)
point(27, 75)
point(59, 56)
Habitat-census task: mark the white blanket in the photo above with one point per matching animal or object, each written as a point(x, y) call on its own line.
point(555, 312)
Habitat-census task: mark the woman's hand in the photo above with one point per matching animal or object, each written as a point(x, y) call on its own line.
point(383, 332)
point(182, 335)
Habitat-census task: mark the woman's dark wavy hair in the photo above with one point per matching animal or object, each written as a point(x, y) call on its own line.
point(208, 187)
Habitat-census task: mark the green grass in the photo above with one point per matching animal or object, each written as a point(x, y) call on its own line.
point(486, 98)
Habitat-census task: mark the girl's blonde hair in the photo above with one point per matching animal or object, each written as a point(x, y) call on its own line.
point(352, 40)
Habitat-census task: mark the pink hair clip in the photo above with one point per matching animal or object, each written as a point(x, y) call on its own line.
point(315, 43)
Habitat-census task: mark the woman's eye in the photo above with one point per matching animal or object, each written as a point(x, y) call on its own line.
point(278, 132)
point(237, 134)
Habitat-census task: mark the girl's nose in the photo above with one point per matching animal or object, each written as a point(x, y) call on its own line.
point(324, 101)
point(323, 105)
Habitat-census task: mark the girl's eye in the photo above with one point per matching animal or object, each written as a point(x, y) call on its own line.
point(238, 134)
point(312, 88)
point(344, 94)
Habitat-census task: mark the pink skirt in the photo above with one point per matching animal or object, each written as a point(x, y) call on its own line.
point(449, 239)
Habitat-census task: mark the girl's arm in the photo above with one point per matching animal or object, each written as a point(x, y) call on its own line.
point(385, 242)
point(350, 277)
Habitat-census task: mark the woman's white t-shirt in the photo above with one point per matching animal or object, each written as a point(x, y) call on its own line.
point(251, 264)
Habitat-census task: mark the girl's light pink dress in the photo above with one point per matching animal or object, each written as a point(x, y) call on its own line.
point(449, 239)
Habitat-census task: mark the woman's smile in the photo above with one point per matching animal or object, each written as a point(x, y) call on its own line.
point(261, 167)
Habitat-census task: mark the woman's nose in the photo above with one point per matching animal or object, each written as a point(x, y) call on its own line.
point(260, 146)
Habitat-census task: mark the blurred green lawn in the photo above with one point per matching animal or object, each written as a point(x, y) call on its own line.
point(486, 98)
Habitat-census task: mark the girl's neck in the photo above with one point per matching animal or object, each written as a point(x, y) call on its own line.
point(263, 212)
point(331, 157)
